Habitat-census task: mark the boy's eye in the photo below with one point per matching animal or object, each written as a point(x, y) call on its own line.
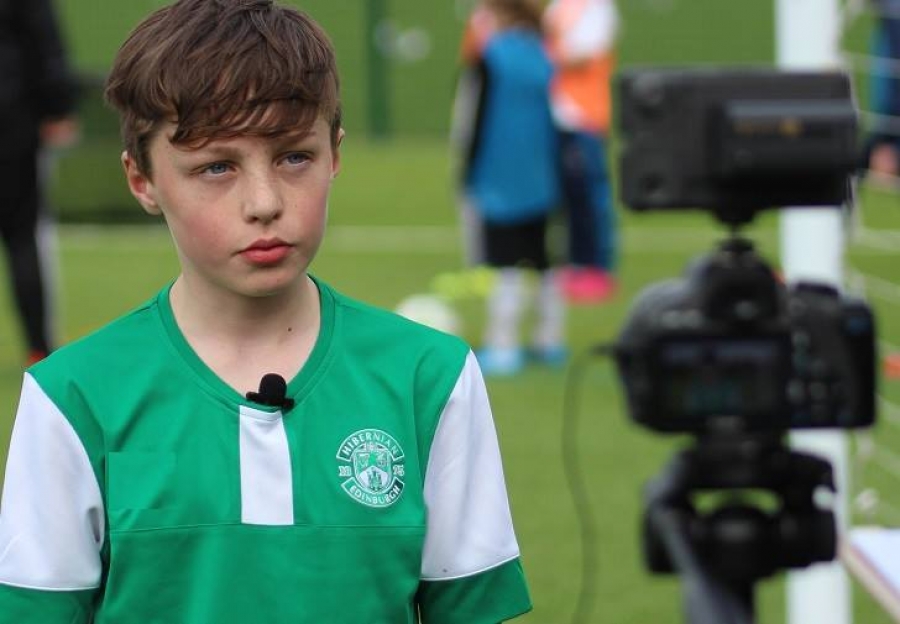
point(296, 158)
point(217, 168)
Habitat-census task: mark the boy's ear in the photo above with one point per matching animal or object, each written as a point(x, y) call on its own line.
point(336, 156)
point(140, 185)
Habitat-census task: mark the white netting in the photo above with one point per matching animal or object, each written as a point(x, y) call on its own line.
point(874, 254)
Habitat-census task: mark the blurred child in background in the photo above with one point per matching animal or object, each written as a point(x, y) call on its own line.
point(882, 148)
point(510, 181)
point(580, 36)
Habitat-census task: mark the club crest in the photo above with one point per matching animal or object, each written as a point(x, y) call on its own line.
point(371, 468)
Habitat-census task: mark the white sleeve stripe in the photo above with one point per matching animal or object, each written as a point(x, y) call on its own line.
point(51, 517)
point(469, 526)
point(48, 589)
point(473, 573)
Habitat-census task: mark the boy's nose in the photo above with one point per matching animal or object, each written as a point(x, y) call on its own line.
point(262, 201)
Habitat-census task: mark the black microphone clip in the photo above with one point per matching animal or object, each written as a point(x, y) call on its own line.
point(272, 392)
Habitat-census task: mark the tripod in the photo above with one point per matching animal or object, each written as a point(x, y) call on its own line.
point(720, 555)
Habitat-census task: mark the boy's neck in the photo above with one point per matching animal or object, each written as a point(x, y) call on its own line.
point(242, 338)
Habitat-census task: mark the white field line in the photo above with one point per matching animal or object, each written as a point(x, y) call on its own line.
point(889, 411)
point(873, 286)
point(887, 241)
point(438, 239)
point(422, 239)
point(887, 460)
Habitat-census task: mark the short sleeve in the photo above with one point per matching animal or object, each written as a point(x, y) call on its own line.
point(471, 572)
point(51, 518)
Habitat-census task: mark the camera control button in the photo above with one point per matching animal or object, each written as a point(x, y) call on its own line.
point(838, 392)
point(796, 392)
point(801, 340)
point(818, 369)
point(818, 391)
point(821, 415)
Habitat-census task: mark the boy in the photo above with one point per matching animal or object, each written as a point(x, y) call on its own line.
point(143, 485)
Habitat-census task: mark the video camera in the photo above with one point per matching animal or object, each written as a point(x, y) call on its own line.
point(729, 344)
point(728, 352)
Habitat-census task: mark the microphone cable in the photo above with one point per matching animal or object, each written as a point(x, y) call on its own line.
point(578, 490)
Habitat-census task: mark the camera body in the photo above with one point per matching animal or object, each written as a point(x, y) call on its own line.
point(730, 348)
point(728, 352)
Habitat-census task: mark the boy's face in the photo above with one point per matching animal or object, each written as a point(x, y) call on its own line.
point(247, 214)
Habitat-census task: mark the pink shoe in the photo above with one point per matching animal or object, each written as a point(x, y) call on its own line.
point(587, 285)
point(891, 366)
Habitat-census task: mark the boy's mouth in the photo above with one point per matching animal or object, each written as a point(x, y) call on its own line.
point(266, 251)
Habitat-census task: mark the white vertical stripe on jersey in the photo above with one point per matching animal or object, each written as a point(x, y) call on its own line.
point(469, 523)
point(267, 495)
point(51, 520)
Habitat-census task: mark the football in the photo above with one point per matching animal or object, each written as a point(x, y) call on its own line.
point(430, 310)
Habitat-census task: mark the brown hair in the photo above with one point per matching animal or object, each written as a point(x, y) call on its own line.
point(523, 13)
point(223, 68)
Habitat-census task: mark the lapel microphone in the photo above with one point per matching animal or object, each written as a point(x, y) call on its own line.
point(272, 392)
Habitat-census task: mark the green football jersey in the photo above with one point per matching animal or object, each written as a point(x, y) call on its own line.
point(142, 489)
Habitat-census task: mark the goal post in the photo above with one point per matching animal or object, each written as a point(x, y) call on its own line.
point(812, 248)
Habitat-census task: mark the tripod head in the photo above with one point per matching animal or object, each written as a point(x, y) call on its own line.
point(723, 552)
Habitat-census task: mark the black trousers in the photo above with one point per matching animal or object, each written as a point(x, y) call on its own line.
point(21, 201)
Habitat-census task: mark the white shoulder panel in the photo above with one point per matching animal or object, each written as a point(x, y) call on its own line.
point(469, 526)
point(51, 515)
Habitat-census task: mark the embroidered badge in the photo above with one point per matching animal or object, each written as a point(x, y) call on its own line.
point(371, 468)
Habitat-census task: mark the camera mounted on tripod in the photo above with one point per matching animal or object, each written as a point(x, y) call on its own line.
point(728, 352)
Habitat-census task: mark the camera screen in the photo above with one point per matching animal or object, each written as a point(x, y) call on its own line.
point(711, 377)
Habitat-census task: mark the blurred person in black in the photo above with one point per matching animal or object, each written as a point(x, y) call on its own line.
point(37, 113)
